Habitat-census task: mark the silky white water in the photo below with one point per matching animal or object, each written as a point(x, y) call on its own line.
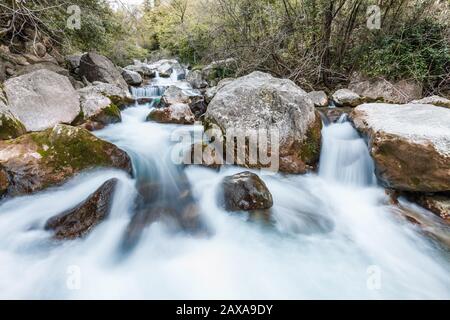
point(333, 234)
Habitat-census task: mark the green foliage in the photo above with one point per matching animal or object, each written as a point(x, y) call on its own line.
point(419, 51)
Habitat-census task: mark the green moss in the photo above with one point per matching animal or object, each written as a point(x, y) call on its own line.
point(79, 119)
point(112, 111)
point(10, 127)
point(67, 146)
point(309, 151)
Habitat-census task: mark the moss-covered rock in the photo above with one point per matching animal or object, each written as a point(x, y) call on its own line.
point(38, 160)
point(10, 127)
point(178, 113)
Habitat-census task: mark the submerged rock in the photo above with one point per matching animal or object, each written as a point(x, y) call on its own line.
point(259, 101)
point(245, 191)
point(346, 98)
point(410, 144)
point(95, 67)
point(42, 99)
point(434, 100)
point(79, 221)
point(39, 160)
point(178, 113)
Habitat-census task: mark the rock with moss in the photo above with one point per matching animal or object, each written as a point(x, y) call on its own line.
point(259, 103)
point(10, 126)
point(39, 160)
point(410, 144)
point(96, 107)
point(178, 113)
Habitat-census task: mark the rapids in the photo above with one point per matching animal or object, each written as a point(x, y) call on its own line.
point(333, 234)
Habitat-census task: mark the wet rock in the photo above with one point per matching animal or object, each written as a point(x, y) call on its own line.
point(132, 78)
point(259, 101)
point(95, 67)
point(245, 192)
point(39, 160)
point(334, 114)
point(346, 98)
point(434, 100)
point(439, 204)
point(4, 181)
point(382, 90)
point(42, 99)
point(80, 220)
point(319, 98)
point(178, 113)
point(409, 143)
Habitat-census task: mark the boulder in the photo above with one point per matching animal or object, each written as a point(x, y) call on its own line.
point(382, 90)
point(143, 69)
point(346, 98)
point(193, 98)
point(245, 191)
point(131, 77)
point(259, 101)
point(95, 67)
point(79, 221)
point(319, 98)
point(434, 100)
point(195, 78)
point(410, 144)
point(178, 113)
point(119, 96)
point(73, 62)
point(218, 70)
point(97, 108)
point(21, 70)
point(39, 160)
point(42, 99)
point(211, 92)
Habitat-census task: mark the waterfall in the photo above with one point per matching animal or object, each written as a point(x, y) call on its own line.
point(150, 91)
point(344, 157)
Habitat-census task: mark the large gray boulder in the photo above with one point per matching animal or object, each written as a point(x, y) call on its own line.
point(119, 96)
point(410, 144)
point(259, 101)
point(95, 67)
point(131, 77)
point(42, 99)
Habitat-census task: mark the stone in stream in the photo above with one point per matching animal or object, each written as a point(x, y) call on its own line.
point(434, 100)
point(319, 98)
point(346, 98)
point(245, 191)
point(259, 102)
point(132, 78)
point(178, 113)
point(95, 67)
point(410, 144)
point(439, 204)
point(42, 99)
point(79, 221)
point(38, 160)
point(143, 69)
point(176, 95)
point(97, 109)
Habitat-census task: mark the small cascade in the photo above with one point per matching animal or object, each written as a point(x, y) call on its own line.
point(151, 91)
point(345, 157)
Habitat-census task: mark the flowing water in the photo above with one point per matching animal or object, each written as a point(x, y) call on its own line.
point(333, 234)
